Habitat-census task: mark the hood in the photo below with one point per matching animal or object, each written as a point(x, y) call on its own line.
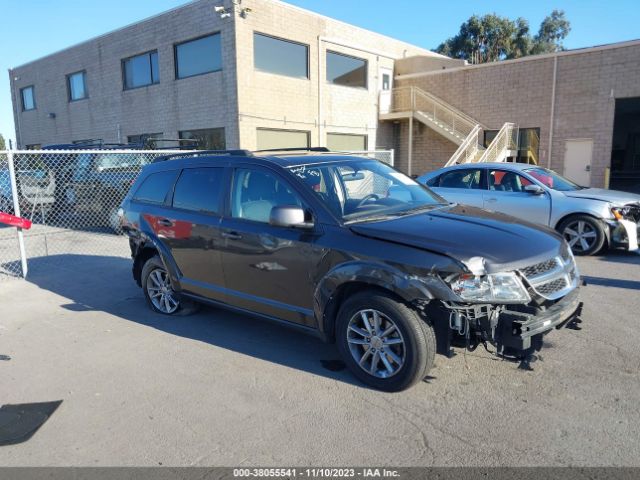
point(613, 196)
point(463, 232)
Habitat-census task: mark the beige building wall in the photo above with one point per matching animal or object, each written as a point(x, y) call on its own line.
point(275, 101)
point(587, 83)
point(111, 113)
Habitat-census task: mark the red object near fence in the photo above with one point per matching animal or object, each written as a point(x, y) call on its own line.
point(14, 221)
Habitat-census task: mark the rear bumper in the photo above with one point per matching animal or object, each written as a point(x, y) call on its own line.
point(516, 329)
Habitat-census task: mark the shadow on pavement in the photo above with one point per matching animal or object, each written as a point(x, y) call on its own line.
point(612, 282)
point(620, 256)
point(101, 283)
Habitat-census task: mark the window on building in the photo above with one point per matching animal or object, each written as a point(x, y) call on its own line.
point(346, 70)
point(144, 138)
point(141, 70)
point(28, 98)
point(272, 138)
point(155, 187)
point(202, 55)
point(76, 85)
point(207, 138)
point(199, 190)
point(283, 57)
point(33, 146)
point(345, 142)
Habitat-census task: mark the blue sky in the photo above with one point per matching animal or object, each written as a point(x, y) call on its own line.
point(33, 28)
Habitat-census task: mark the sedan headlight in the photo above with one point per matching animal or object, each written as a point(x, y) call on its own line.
point(491, 288)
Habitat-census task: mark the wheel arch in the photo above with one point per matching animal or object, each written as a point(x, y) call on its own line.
point(348, 279)
point(605, 226)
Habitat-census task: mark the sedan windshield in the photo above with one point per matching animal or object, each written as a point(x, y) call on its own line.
point(362, 189)
point(552, 180)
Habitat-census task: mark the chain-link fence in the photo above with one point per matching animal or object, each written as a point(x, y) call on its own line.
point(72, 197)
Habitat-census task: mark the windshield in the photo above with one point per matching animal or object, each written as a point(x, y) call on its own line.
point(552, 180)
point(362, 189)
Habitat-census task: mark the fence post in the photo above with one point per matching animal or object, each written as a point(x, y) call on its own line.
point(16, 211)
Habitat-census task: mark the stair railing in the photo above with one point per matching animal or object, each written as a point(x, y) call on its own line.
point(468, 150)
point(504, 141)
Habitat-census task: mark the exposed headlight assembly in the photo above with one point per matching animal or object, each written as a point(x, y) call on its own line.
point(492, 288)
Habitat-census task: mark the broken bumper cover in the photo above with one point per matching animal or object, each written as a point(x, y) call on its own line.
point(516, 329)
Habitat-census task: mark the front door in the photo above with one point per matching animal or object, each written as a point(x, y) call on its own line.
point(577, 161)
point(267, 269)
point(385, 86)
point(506, 194)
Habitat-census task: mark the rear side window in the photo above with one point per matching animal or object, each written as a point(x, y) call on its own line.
point(198, 189)
point(155, 187)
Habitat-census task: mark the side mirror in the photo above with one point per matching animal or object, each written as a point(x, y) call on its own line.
point(534, 189)
point(288, 216)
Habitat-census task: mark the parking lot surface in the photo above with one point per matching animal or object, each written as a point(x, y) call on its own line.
point(218, 388)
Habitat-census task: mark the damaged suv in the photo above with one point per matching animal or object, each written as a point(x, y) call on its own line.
point(349, 249)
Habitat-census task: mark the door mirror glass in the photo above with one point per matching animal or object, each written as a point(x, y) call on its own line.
point(289, 216)
point(534, 189)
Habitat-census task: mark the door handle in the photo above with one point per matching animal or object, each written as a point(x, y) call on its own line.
point(165, 222)
point(231, 235)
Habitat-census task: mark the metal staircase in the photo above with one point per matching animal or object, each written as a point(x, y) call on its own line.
point(451, 123)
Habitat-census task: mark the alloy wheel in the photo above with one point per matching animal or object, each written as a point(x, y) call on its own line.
point(581, 235)
point(376, 344)
point(160, 291)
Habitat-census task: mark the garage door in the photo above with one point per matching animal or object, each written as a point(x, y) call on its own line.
point(270, 138)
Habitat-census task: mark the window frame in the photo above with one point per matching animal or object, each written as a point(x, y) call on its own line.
point(124, 75)
point(84, 84)
point(221, 192)
point(168, 196)
point(230, 191)
point(286, 40)
point(363, 135)
point(194, 39)
point(308, 132)
point(331, 82)
point(33, 98)
point(484, 185)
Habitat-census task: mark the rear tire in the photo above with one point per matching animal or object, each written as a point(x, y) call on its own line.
point(585, 234)
point(159, 293)
point(385, 344)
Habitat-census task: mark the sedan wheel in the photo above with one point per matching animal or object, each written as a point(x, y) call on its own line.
point(376, 344)
point(584, 234)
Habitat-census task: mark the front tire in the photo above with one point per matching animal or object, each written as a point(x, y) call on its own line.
point(585, 234)
point(385, 344)
point(158, 291)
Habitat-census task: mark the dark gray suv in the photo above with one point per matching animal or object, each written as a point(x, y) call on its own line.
point(349, 249)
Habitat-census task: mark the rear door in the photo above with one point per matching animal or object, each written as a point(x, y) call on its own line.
point(506, 194)
point(461, 185)
point(191, 230)
point(266, 268)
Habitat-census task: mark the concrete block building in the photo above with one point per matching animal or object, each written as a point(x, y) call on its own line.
point(251, 74)
point(260, 74)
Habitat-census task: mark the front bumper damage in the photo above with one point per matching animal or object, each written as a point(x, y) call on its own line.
point(624, 233)
point(513, 333)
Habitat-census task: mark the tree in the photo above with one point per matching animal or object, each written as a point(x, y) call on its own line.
point(491, 38)
point(2, 143)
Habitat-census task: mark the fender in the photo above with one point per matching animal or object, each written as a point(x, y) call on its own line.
point(379, 275)
point(149, 239)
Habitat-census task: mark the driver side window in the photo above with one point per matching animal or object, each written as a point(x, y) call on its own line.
point(256, 192)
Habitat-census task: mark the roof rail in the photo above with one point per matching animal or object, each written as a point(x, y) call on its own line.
point(204, 153)
point(294, 149)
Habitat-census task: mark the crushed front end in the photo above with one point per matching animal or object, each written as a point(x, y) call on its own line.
point(528, 303)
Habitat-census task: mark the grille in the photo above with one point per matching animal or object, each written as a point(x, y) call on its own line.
point(552, 287)
point(540, 268)
point(552, 278)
